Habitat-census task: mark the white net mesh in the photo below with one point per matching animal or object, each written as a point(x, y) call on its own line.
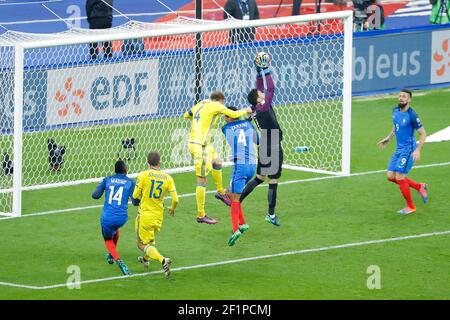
point(7, 126)
point(85, 106)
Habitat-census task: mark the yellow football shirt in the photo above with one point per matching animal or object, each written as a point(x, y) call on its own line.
point(205, 115)
point(151, 188)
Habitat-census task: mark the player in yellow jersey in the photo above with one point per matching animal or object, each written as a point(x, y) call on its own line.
point(205, 115)
point(151, 187)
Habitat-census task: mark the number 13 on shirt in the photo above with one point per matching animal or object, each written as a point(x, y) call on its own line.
point(155, 193)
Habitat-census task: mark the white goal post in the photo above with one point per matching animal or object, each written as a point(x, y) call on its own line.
point(69, 110)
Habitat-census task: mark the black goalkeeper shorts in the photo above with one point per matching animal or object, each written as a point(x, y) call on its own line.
point(270, 162)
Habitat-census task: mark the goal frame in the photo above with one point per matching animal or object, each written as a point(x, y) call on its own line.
point(20, 47)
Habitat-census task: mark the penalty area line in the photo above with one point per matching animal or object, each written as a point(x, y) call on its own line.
point(186, 195)
point(234, 261)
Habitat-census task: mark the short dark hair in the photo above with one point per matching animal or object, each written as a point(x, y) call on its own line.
point(120, 167)
point(217, 96)
point(233, 108)
point(252, 97)
point(407, 91)
point(153, 158)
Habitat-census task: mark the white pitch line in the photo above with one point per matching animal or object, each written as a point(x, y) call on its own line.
point(186, 195)
point(227, 262)
point(7, 284)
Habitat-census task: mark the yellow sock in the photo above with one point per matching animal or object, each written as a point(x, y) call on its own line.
point(200, 193)
point(217, 177)
point(152, 253)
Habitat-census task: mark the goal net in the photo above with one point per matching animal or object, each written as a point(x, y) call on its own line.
point(72, 103)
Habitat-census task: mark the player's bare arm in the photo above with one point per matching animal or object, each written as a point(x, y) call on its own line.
point(383, 142)
point(423, 137)
point(175, 201)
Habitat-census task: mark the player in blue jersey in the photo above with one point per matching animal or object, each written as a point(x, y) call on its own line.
point(241, 136)
point(118, 189)
point(406, 123)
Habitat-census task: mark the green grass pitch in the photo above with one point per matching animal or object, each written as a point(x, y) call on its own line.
point(36, 251)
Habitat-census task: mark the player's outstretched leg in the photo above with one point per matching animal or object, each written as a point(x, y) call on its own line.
point(234, 211)
point(110, 233)
point(421, 188)
point(152, 253)
point(166, 264)
point(272, 200)
point(234, 237)
point(404, 188)
point(393, 180)
point(115, 256)
point(272, 219)
point(249, 187)
point(200, 194)
point(223, 197)
point(116, 237)
point(123, 267)
point(207, 220)
point(242, 225)
point(109, 258)
point(144, 262)
point(112, 255)
point(423, 192)
point(221, 194)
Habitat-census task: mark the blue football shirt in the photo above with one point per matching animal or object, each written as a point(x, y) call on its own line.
point(241, 136)
point(118, 189)
point(405, 125)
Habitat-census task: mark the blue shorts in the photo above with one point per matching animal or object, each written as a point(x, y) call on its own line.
point(241, 174)
point(401, 161)
point(110, 224)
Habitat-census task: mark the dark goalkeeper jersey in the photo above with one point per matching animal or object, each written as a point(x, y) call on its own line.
point(265, 117)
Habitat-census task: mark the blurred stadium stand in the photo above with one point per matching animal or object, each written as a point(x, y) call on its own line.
point(41, 16)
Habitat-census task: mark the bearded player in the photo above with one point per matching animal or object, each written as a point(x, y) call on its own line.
point(406, 122)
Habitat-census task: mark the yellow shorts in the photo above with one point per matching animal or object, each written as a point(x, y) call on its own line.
point(146, 228)
point(203, 157)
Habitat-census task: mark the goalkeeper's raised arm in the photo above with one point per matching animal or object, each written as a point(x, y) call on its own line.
point(270, 90)
point(263, 97)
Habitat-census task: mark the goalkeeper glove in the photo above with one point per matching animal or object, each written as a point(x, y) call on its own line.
point(261, 62)
point(260, 70)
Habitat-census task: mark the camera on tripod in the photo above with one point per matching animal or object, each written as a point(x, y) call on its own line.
point(367, 15)
point(55, 155)
point(127, 150)
point(7, 165)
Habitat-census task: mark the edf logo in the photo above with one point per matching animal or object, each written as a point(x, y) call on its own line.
point(440, 57)
point(69, 98)
point(104, 92)
point(118, 91)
